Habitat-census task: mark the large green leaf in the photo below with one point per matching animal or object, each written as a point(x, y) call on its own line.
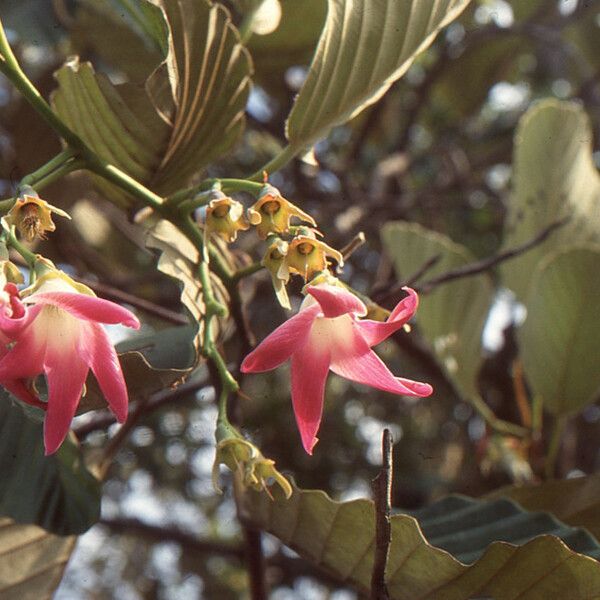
point(32, 561)
point(365, 46)
point(55, 492)
point(452, 316)
point(554, 177)
point(574, 501)
point(189, 113)
point(512, 555)
point(560, 339)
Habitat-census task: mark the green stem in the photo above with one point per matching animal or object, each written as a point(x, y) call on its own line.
point(28, 256)
point(124, 181)
point(47, 169)
point(186, 197)
point(246, 272)
point(554, 446)
point(282, 159)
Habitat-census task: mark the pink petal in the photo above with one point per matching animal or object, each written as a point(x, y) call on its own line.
point(336, 301)
point(13, 326)
point(107, 370)
point(25, 359)
point(277, 347)
point(310, 366)
point(66, 373)
point(86, 307)
point(357, 362)
point(18, 389)
point(374, 332)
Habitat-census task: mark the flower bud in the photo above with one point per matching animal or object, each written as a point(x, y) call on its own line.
point(246, 461)
point(275, 262)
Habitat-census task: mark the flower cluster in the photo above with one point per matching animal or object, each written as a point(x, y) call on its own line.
point(53, 328)
point(271, 215)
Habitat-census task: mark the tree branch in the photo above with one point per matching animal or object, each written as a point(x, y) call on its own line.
point(382, 493)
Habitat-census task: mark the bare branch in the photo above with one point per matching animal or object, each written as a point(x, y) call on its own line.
point(382, 493)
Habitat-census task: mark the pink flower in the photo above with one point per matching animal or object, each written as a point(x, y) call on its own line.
point(327, 335)
point(57, 332)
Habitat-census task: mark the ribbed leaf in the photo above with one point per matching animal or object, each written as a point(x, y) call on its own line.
point(339, 536)
point(56, 492)
point(32, 561)
point(180, 259)
point(452, 316)
point(212, 73)
point(554, 177)
point(365, 46)
point(560, 339)
point(189, 114)
point(574, 501)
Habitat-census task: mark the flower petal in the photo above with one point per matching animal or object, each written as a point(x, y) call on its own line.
point(26, 358)
point(13, 326)
point(18, 389)
point(107, 370)
point(374, 332)
point(277, 347)
point(357, 362)
point(336, 301)
point(66, 372)
point(310, 365)
point(86, 307)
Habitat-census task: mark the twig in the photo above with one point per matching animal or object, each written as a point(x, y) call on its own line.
point(255, 561)
point(106, 418)
point(382, 494)
point(490, 262)
point(353, 245)
point(472, 269)
point(158, 533)
point(112, 293)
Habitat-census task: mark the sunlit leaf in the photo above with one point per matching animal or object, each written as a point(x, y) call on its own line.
point(365, 46)
point(180, 259)
point(452, 316)
point(189, 113)
point(560, 339)
point(554, 177)
point(507, 551)
point(55, 492)
point(32, 561)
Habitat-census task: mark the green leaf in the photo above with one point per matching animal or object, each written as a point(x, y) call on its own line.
point(55, 492)
point(180, 259)
point(554, 177)
point(32, 561)
point(453, 330)
point(574, 501)
point(150, 363)
point(189, 113)
point(513, 557)
point(560, 339)
point(366, 46)
point(131, 36)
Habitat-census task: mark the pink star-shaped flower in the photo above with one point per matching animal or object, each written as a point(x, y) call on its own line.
point(327, 334)
point(56, 331)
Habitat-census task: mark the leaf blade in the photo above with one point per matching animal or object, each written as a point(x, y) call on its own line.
point(377, 37)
